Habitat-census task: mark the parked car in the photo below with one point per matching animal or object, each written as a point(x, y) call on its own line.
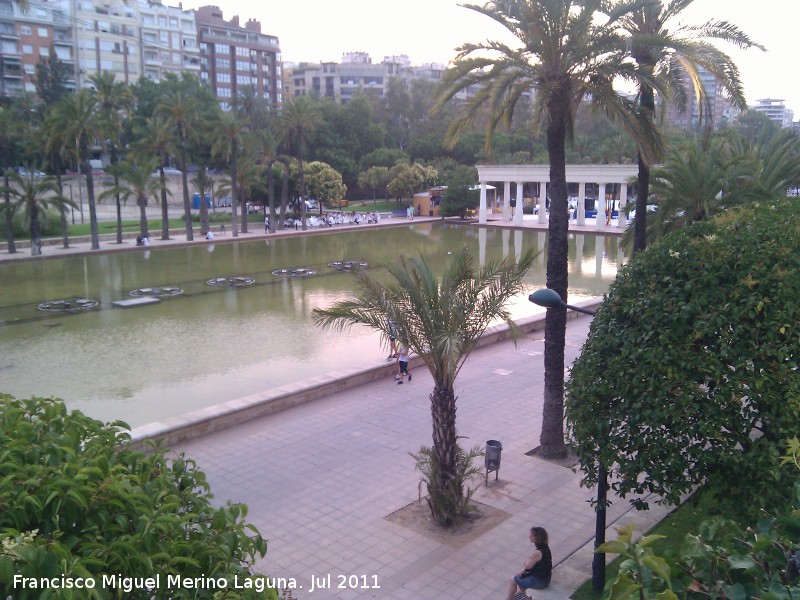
point(169, 171)
point(23, 172)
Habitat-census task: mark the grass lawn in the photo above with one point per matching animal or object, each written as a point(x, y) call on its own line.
point(685, 519)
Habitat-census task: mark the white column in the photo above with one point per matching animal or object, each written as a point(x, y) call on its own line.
point(518, 208)
point(601, 206)
point(582, 203)
point(599, 253)
point(541, 244)
point(517, 244)
point(482, 205)
point(543, 202)
point(622, 221)
point(506, 201)
point(578, 252)
point(481, 246)
point(506, 234)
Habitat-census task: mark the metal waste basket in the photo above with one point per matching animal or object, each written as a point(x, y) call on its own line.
point(494, 450)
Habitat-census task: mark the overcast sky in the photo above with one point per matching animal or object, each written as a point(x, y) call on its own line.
point(429, 30)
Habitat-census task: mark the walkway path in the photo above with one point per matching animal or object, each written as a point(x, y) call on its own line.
point(321, 479)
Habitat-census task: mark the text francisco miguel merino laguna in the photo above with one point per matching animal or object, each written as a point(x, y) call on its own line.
point(129, 584)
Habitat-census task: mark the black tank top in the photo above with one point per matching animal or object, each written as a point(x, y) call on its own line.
point(544, 568)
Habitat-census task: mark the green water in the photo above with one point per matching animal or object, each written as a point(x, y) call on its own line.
point(212, 344)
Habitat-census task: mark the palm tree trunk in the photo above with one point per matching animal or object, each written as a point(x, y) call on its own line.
point(164, 207)
point(11, 244)
point(647, 104)
point(114, 161)
point(62, 211)
point(271, 194)
point(36, 233)
point(187, 209)
point(443, 413)
point(92, 208)
point(284, 193)
point(234, 189)
point(142, 202)
point(552, 437)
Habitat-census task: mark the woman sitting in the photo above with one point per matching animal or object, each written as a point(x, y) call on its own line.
point(537, 569)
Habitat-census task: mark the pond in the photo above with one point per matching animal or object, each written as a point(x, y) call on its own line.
point(214, 343)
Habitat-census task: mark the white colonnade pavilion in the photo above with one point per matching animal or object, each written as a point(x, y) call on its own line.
point(602, 175)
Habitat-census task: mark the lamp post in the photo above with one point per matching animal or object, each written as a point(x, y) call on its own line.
point(548, 298)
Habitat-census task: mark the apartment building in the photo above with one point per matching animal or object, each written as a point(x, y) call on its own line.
point(233, 57)
point(716, 108)
point(138, 38)
point(356, 72)
point(168, 40)
point(26, 36)
point(775, 110)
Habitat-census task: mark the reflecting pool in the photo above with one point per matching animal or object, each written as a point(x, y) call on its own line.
point(215, 343)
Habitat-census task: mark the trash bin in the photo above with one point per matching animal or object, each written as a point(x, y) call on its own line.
point(494, 450)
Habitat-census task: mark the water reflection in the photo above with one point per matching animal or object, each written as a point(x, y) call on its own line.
point(214, 344)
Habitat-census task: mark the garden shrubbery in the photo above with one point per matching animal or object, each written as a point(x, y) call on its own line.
point(77, 502)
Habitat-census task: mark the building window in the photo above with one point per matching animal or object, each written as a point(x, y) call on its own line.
point(43, 33)
point(27, 49)
point(223, 77)
point(242, 65)
point(223, 63)
point(222, 48)
point(24, 30)
point(173, 22)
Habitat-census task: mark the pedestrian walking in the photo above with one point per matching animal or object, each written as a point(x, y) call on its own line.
point(266, 224)
point(402, 364)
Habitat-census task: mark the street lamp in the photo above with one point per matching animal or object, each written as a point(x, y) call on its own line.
point(548, 298)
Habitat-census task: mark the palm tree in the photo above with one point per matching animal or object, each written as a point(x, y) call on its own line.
point(440, 320)
point(114, 105)
point(205, 185)
point(34, 194)
point(135, 180)
point(9, 153)
point(567, 54)
point(229, 132)
point(156, 141)
point(676, 54)
point(297, 120)
point(70, 127)
point(704, 177)
point(179, 110)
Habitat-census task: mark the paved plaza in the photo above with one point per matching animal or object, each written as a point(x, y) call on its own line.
point(321, 479)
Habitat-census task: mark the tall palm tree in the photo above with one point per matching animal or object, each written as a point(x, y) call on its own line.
point(567, 53)
point(298, 119)
point(676, 54)
point(70, 127)
point(179, 111)
point(114, 105)
point(9, 154)
point(156, 141)
point(135, 180)
point(440, 319)
point(33, 194)
point(229, 132)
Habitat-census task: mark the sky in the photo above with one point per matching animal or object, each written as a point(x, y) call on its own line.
point(429, 31)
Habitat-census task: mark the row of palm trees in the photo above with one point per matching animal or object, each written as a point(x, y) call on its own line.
point(182, 122)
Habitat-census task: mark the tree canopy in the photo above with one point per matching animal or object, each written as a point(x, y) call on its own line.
point(79, 503)
point(690, 372)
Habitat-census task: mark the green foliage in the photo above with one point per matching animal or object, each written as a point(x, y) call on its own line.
point(459, 196)
point(324, 183)
point(77, 502)
point(690, 372)
point(453, 499)
point(722, 560)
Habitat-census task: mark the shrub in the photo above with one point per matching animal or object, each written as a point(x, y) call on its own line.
point(77, 502)
point(690, 372)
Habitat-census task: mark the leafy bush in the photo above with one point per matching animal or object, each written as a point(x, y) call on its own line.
point(690, 372)
point(78, 503)
point(723, 560)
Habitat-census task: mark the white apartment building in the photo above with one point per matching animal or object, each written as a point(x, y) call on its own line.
point(775, 110)
point(168, 40)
